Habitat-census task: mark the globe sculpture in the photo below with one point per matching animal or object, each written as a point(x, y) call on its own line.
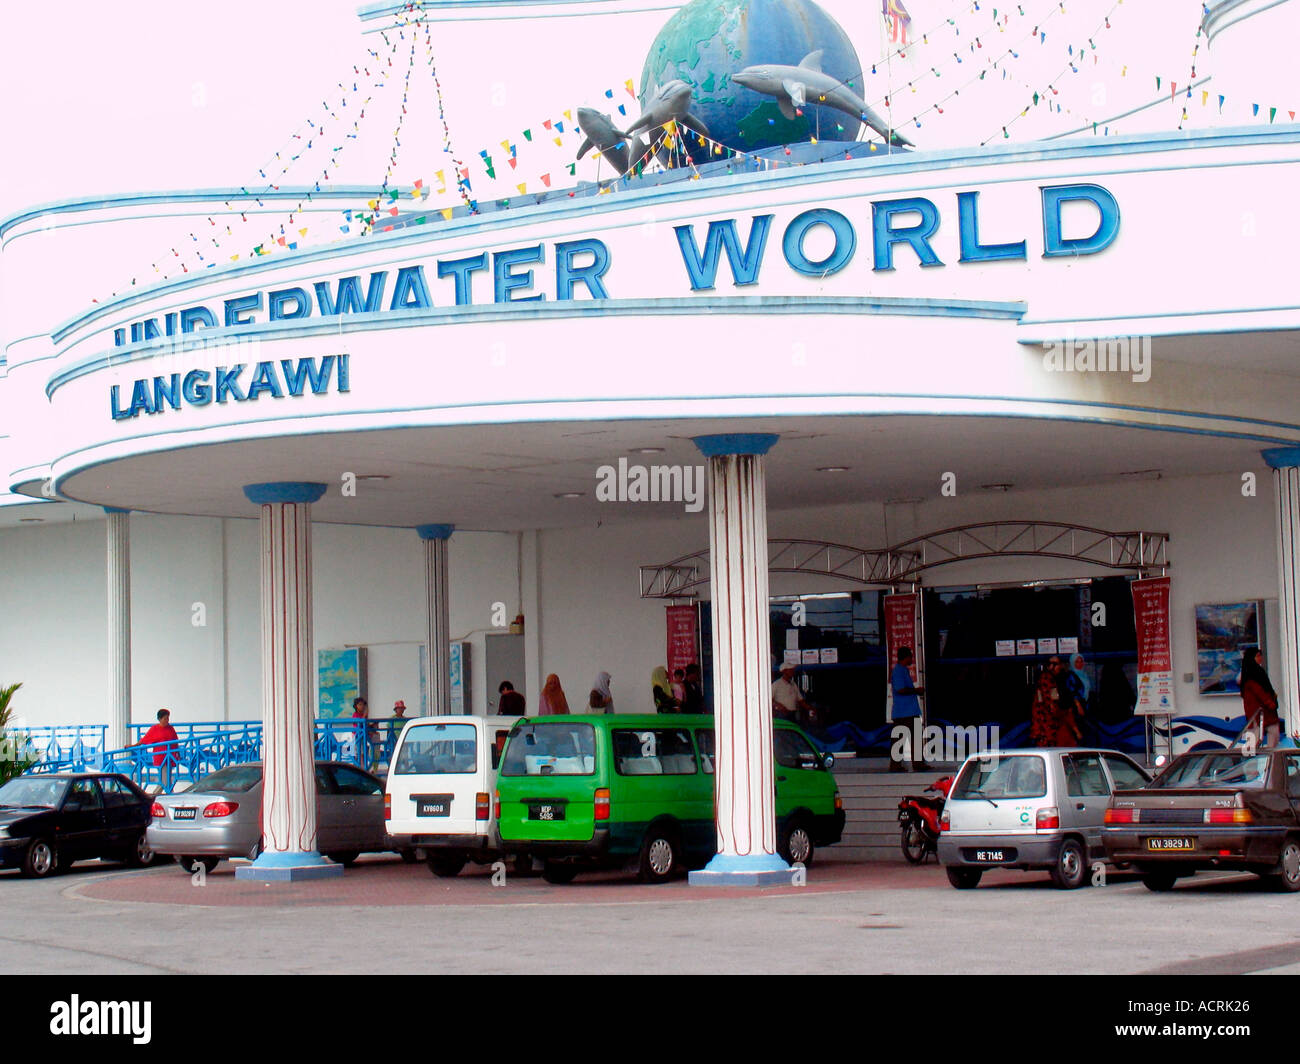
point(708, 41)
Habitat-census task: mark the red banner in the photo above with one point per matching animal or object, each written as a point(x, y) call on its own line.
point(683, 638)
point(1155, 654)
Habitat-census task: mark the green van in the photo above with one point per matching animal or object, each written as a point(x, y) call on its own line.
point(596, 791)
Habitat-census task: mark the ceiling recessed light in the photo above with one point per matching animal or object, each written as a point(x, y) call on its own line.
point(373, 476)
point(647, 450)
point(903, 502)
point(570, 494)
point(833, 469)
point(1143, 474)
point(32, 520)
point(997, 487)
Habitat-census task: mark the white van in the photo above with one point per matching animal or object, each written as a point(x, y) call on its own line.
point(438, 797)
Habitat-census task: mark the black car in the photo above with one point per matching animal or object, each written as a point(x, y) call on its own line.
point(1216, 809)
point(49, 821)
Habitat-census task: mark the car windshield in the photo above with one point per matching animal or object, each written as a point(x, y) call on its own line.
point(560, 748)
point(1212, 769)
point(33, 791)
point(233, 779)
point(1002, 777)
point(438, 748)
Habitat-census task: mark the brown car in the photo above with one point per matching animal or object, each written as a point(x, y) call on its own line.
point(1214, 809)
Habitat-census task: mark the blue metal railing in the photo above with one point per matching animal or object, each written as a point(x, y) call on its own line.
point(205, 746)
point(64, 742)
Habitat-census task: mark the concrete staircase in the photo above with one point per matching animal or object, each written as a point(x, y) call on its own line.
point(871, 794)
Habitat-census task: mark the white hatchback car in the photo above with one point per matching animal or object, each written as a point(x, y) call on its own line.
point(1032, 809)
point(438, 796)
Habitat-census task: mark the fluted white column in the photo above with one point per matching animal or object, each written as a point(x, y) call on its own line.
point(745, 789)
point(437, 626)
point(119, 626)
point(1285, 462)
point(288, 664)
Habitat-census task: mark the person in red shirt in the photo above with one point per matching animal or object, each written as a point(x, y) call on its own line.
point(1257, 695)
point(162, 737)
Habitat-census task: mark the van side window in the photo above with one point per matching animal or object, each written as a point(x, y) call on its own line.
point(704, 740)
point(498, 745)
point(653, 752)
point(792, 750)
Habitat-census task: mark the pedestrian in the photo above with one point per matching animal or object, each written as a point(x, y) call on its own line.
point(601, 700)
point(679, 686)
point(1074, 687)
point(1258, 698)
point(511, 703)
point(162, 737)
point(1044, 713)
point(787, 700)
point(399, 710)
point(907, 707)
point(693, 700)
point(662, 692)
point(553, 702)
point(359, 735)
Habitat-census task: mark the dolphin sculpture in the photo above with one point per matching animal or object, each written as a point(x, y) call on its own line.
point(619, 150)
point(795, 86)
point(670, 104)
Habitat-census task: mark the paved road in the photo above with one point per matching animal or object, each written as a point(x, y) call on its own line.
point(385, 917)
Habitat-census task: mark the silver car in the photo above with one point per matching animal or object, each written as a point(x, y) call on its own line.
point(1032, 809)
point(221, 816)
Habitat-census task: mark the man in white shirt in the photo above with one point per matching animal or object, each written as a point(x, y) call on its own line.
point(787, 701)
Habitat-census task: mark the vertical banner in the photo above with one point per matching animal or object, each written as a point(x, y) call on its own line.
point(460, 690)
point(683, 638)
point(1155, 666)
point(902, 629)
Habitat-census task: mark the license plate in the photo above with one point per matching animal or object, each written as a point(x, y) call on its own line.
point(183, 814)
point(1177, 844)
point(546, 812)
point(989, 855)
point(433, 805)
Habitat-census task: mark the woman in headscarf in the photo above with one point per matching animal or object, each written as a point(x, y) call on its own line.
point(601, 701)
point(1257, 695)
point(662, 691)
point(553, 701)
point(1075, 688)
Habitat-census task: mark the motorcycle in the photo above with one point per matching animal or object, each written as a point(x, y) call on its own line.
point(918, 818)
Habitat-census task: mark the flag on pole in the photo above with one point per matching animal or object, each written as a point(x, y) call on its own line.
point(897, 18)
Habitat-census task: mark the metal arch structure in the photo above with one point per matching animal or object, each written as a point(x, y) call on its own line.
point(1135, 552)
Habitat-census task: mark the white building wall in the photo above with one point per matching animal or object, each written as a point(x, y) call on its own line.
point(368, 588)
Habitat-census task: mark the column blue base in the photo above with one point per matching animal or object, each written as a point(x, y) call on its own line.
point(289, 868)
point(756, 870)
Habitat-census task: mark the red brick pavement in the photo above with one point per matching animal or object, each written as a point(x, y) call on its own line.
point(377, 880)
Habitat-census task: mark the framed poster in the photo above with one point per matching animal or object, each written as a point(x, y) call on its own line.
point(341, 677)
point(1223, 631)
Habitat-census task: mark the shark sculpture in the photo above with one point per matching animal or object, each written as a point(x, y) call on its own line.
point(670, 104)
point(795, 86)
point(618, 149)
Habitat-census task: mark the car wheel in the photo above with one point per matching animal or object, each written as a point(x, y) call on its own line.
point(913, 842)
point(141, 855)
point(347, 858)
point(796, 844)
point(192, 863)
point(965, 878)
point(1159, 880)
point(1070, 871)
point(559, 872)
point(40, 860)
point(444, 865)
point(659, 855)
point(1287, 877)
point(408, 856)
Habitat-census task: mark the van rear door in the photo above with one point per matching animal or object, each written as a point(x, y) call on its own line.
point(547, 782)
point(436, 778)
